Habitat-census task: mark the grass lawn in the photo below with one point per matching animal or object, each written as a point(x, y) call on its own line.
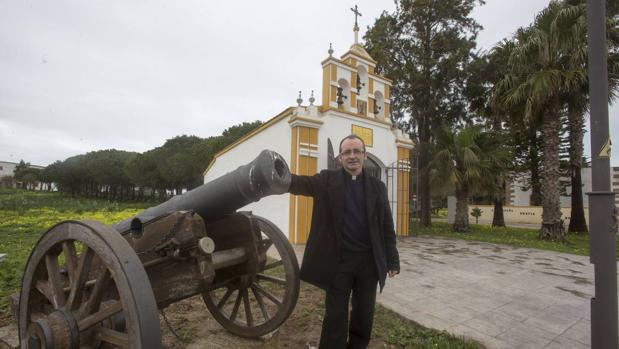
point(520, 237)
point(400, 332)
point(25, 216)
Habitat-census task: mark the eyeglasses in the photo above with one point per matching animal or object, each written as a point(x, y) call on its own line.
point(349, 152)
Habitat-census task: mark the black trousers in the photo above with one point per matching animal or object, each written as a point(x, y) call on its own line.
point(356, 274)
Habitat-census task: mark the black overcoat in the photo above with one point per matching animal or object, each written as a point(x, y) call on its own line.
point(324, 243)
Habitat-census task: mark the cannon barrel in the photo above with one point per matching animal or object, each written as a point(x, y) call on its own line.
point(267, 174)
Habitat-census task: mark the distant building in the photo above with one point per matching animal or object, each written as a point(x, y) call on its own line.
point(7, 168)
point(518, 196)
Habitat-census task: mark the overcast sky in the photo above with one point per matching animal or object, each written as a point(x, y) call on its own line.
point(78, 76)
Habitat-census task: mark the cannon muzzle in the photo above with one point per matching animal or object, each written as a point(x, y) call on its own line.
point(266, 175)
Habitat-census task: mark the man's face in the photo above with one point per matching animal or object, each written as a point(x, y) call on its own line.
point(352, 156)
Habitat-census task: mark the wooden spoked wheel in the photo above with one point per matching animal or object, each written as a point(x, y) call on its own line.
point(257, 304)
point(84, 287)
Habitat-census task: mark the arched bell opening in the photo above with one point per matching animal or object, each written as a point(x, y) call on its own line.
point(343, 94)
point(379, 110)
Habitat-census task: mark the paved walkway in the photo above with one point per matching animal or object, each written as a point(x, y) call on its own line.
point(501, 296)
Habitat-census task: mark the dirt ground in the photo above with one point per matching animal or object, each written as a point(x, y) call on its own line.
point(196, 328)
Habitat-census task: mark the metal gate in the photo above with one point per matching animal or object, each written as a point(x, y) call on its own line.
point(391, 180)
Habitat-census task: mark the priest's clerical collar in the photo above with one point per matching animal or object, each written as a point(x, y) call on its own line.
point(353, 177)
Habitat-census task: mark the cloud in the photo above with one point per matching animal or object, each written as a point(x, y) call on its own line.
point(79, 76)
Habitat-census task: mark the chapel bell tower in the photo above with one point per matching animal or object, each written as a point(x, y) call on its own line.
point(351, 84)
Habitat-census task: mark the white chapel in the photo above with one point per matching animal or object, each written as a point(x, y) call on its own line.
point(355, 100)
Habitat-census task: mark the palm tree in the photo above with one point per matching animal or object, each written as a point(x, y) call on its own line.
point(538, 79)
point(570, 25)
point(465, 161)
point(496, 68)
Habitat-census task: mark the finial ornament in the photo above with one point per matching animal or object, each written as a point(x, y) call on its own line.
point(357, 13)
point(330, 50)
point(312, 99)
point(299, 100)
point(356, 27)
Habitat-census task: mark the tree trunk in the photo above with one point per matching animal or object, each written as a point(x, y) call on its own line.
point(552, 224)
point(578, 223)
point(461, 223)
point(534, 163)
point(577, 215)
point(425, 218)
point(498, 219)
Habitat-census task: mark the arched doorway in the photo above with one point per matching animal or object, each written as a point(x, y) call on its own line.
point(370, 166)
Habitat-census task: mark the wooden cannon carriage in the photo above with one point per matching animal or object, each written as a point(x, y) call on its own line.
point(87, 285)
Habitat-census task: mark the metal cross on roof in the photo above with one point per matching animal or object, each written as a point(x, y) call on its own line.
point(357, 13)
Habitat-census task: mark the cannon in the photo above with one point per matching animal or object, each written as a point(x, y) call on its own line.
point(88, 285)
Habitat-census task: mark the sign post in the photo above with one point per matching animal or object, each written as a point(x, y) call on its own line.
point(601, 200)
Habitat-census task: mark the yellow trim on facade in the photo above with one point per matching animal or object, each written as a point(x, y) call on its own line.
point(264, 126)
point(300, 210)
point(293, 169)
point(327, 108)
point(292, 209)
point(333, 72)
point(338, 61)
point(387, 92)
point(371, 71)
point(325, 85)
point(301, 118)
point(365, 133)
point(381, 77)
point(313, 136)
point(402, 216)
point(359, 57)
point(371, 86)
point(370, 105)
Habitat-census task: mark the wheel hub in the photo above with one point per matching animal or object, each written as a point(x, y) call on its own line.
point(57, 330)
point(245, 281)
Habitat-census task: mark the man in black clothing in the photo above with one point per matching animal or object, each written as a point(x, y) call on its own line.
point(351, 245)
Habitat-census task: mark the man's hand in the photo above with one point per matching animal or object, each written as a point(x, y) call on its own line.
point(393, 273)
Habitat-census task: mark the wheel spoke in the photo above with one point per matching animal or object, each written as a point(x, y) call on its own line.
point(260, 301)
point(68, 247)
point(274, 265)
point(268, 294)
point(266, 244)
point(273, 279)
point(44, 288)
point(83, 271)
point(100, 287)
point(53, 277)
point(120, 339)
point(91, 320)
point(223, 299)
point(248, 315)
point(235, 309)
